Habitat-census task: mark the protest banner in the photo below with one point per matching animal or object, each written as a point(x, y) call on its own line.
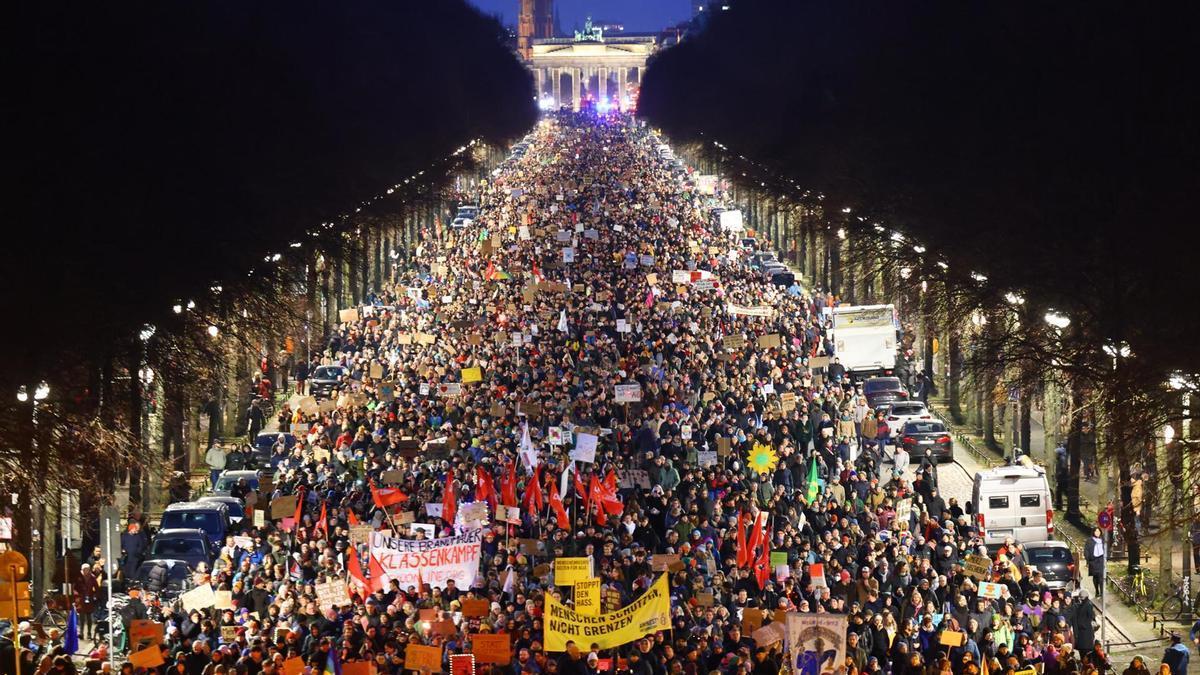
point(977, 566)
point(587, 596)
point(627, 393)
point(488, 648)
point(567, 571)
point(423, 658)
point(756, 310)
point(437, 560)
point(650, 613)
point(332, 594)
point(200, 597)
point(816, 643)
point(148, 658)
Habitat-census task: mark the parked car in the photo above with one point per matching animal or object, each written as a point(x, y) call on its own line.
point(748, 243)
point(326, 380)
point(785, 278)
point(265, 442)
point(1054, 560)
point(210, 517)
point(883, 390)
point(461, 222)
point(190, 545)
point(920, 435)
point(228, 479)
point(233, 506)
point(900, 412)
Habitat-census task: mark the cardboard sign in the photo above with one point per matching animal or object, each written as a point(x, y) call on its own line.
point(661, 562)
point(733, 342)
point(724, 446)
point(768, 341)
point(200, 597)
point(224, 600)
point(283, 507)
point(229, 634)
point(473, 514)
point(769, 634)
point(444, 628)
point(471, 375)
point(332, 594)
point(705, 599)
point(568, 571)
point(348, 315)
point(150, 657)
point(293, 666)
point(977, 566)
point(508, 514)
point(787, 400)
point(627, 393)
point(531, 547)
point(952, 638)
point(628, 479)
point(144, 630)
point(752, 620)
point(473, 608)
point(487, 648)
point(423, 658)
point(585, 448)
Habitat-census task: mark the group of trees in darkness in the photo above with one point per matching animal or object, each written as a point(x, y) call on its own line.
point(217, 152)
point(1043, 151)
point(156, 149)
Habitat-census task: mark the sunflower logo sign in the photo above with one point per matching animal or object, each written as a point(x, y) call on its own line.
point(762, 458)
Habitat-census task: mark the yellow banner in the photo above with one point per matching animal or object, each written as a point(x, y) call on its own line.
point(587, 597)
point(648, 614)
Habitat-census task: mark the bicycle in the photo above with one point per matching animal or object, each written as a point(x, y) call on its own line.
point(1172, 607)
point(51, 615)
point(1141, 586)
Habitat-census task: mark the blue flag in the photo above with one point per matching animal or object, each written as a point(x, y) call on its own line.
point(71, 637)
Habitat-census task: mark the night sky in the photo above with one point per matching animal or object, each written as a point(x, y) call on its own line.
point(637, 15)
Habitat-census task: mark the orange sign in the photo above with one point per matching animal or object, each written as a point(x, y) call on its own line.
point(423, 658)
point(495, 649)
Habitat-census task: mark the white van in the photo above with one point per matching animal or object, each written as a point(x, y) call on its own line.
point(1013, 501)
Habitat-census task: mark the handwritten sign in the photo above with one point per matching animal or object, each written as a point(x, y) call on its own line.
point(423, 658)
point(200, 597)
point(332, 594)
point(150, 657)
point(487, 648)
point(977, 566)
point(474, 608)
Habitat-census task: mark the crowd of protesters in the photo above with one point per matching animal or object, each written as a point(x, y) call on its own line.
point(741, 446)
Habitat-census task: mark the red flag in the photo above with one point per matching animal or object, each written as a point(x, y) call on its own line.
point(743, 549)
point(610, 482)
point(561, 513)
point(322, 523)
point(580, 491)
point(299, 510)
point(353, 519)
point(378, 578)
point(596, 497)
point(485, 487)
point(756, 534)
point(490, 272)
point(385, 497)
point(449, 500)
point(762, 566)
point(535, 501)
point(508, 485)
point(608, 495)
point(355, 569)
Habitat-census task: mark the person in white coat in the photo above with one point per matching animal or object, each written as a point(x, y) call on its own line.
point(215, 459)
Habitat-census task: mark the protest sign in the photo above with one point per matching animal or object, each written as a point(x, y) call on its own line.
point(627, 393)
point(816, 643)
point(587, 596)
point(145, 631)
point(148, 658)
point(508, 514)
point(733, 342)
point(473, 514)
point(223, 600)
point(437, 560)
point(283, 507)
point(423, 658)
point(952, 638)
point(628, 479)
point(989, 590)
point(488, 648)
point(757, 310)
point(332, 594)
point(200, 597)
point(293, 666)
point(348, 315)
point(460, 664)
point(650, 613)
point(567, 571)
point(471, 375)
point(770, 341)
point(752, 620)
point(473, 608)
point(977, 566)
point(661, 562)
point(585, 448)
point(769, 634)
point(229, 634)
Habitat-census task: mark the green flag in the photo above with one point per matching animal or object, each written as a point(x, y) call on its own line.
point(814, 483)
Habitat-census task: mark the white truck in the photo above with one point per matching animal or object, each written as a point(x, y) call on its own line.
point(864, 338)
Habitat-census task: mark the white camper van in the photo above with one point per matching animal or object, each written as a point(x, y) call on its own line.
point(1013, 501)
point(864, 338)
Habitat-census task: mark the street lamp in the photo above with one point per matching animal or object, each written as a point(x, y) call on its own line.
point(42, 391)
point(1056, 319)
point(213, 331)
